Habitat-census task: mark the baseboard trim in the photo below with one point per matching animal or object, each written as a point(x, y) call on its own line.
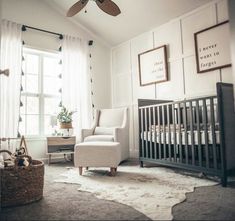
point(134, 154)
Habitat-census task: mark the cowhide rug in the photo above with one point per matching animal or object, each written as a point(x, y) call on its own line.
point(152, 191)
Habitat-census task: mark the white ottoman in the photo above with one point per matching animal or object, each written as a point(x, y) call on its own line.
point(97, 154)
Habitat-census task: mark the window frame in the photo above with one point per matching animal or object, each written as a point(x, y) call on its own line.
point(41, 53)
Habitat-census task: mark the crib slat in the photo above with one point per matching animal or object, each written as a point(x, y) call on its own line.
point(185, 133)
point(212, 113)
point(205, 132)
point(192, 132)
point(146, 131)
point(154, 133)
point(198, 134)
point(174, 130)
point(180, 135)
point(169, 133)
point(159, 133)
point(142, 132)
point(150, 131)
point(164, 132)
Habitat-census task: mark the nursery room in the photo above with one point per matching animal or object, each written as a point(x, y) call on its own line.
point(117, 110)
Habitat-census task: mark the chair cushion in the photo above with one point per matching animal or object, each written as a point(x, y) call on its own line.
point(97, 154)
point(103, 131)
point(105, 138)
point(111, 117)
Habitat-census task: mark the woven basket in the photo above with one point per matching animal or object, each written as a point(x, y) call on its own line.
point(22, 185)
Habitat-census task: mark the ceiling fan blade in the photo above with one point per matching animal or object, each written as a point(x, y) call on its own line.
point(77, 7)
point(108, 7)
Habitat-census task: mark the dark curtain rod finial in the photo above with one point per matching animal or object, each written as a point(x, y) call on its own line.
point(23, 28)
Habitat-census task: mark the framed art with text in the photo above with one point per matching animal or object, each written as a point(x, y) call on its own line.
point(212, 47)
point(153, 66)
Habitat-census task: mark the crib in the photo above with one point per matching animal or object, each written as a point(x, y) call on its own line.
point(195, 134)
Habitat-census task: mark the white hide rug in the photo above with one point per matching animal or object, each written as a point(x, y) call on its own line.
point(152, 191)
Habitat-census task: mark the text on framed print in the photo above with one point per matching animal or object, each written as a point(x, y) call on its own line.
point(212, 47)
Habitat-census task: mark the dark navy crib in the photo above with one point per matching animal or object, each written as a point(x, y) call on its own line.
point(196, 134)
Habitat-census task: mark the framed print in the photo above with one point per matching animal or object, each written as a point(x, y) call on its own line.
point(153, 66)
point(212, 47)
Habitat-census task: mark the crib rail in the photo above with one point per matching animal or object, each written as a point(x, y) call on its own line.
point(183, 133)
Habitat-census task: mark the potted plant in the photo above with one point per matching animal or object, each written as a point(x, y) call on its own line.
point(65, 118)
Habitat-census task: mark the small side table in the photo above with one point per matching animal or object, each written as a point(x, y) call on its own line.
point(58, 145)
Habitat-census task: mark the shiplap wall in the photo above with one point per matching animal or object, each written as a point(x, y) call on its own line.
point(184, 82)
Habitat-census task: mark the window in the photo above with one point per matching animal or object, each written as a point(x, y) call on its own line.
point(41, 92)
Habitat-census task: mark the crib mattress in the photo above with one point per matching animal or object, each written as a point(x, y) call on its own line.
point(192, 139)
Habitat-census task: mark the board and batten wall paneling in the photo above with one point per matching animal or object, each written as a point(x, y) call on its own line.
point(195, 22)
point(174, 88)
point(121, 59)
point(170, 34)
point(121, 90)
point(140, 44)
point(122, 84)
point(222, 11)
point(197, 85)
point(222, 15)
point(0, 26)
point(184, 81)
point(121, 78)
point(131, 130)
point(231, 4)
point(135, 148)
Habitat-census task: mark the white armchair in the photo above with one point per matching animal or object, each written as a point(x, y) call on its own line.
point(110, 125)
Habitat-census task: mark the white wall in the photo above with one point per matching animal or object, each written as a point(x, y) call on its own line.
point(231, 5)
point(184, 81)
point(0, 24)
point(38, 14)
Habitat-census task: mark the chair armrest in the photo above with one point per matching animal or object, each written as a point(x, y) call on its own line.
point(125, 122)
point(119, 132)
point(86, 133)
point(90, 131)
point(121, 135)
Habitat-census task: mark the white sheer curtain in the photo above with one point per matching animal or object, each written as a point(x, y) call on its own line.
point(76, 92)
point(11, 58)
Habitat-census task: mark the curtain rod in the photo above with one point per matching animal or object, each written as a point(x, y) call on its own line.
point(24, 27)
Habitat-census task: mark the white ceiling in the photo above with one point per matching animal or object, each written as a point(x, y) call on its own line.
point(137, 16)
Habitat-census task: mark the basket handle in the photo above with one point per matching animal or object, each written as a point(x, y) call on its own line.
point(22, 156)
point(6, 151)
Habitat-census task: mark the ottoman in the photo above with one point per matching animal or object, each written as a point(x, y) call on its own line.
point(97, 154)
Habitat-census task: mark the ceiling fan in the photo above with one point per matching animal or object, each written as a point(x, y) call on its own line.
point(107, 6)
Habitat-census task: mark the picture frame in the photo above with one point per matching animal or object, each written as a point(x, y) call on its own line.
point(153, 66)
point(212, 48)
